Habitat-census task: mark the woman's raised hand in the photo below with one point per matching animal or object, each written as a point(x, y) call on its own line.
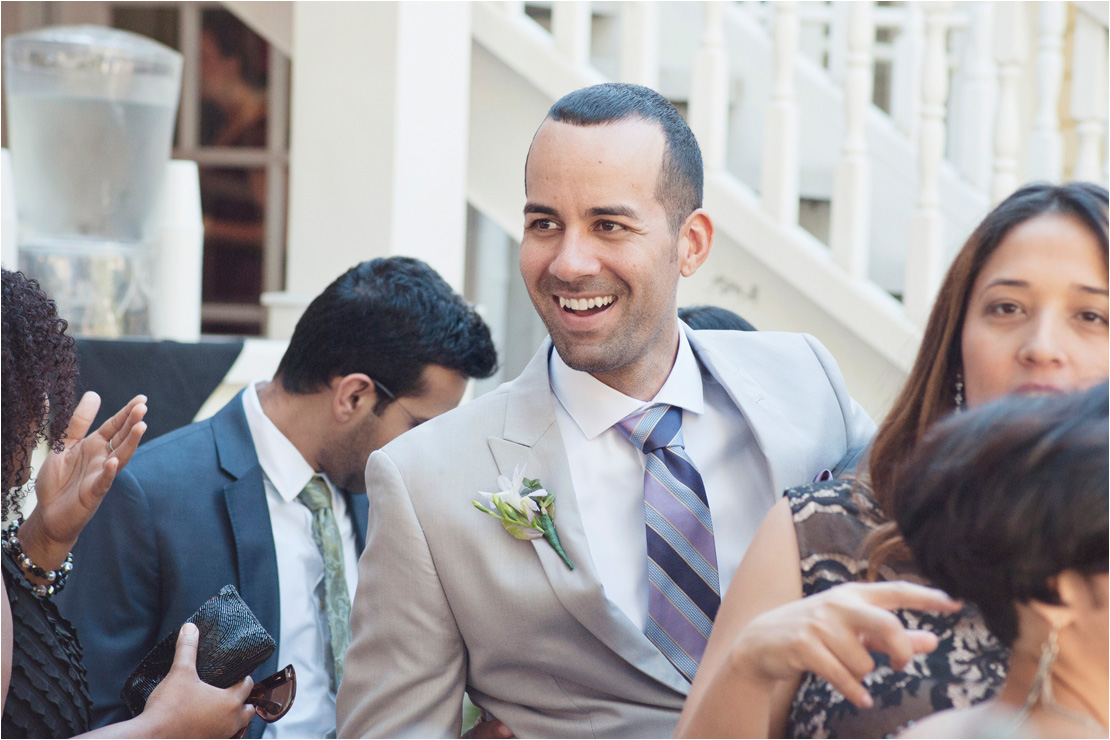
point(830, 634)
point(72, 482)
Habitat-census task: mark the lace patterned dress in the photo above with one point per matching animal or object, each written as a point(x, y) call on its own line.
point(48, 695)
point(967, 667)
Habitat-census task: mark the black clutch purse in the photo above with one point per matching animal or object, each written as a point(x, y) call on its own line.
point(232, 644)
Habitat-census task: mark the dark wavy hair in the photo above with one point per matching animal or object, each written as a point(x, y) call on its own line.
point(998, 501)
point(389, 318)
point(713, 317)
point(39, 363)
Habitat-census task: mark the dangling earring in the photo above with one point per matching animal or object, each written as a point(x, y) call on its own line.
point(1041, 690)
point(959, 391)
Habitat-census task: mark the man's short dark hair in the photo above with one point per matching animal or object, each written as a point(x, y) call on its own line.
point(713, 317)
point(999, 500)
point(680, 183)
point(388, 318)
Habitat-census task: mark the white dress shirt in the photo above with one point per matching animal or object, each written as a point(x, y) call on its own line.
point(300, 570)
point(608, 471)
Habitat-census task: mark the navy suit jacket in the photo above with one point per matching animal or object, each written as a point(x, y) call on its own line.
point(185, 518)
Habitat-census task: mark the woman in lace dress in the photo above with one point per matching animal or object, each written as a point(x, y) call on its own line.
point(1007, 506)
point(1023, 309)
point(44, 691)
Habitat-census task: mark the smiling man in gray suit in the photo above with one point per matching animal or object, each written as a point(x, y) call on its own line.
point(663, 448)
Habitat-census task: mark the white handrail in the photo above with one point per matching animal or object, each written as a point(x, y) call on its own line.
point(978, 93)
point(905, 71)
point(709, 89)
point(779, 176)
point(1009, 53)
point(640, 43)
point(924, 256)
point(988, 129)
point(1046, 142)
point(1088, 96)
point(849, 223)
point(570, 25)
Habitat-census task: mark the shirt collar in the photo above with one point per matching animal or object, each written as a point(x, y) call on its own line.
point(281, 461)
point(595, 407)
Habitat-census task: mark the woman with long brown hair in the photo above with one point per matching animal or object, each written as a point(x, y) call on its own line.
point(1023, 309)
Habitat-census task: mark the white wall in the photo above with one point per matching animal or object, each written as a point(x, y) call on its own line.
point(733, 278)
point(378, 152)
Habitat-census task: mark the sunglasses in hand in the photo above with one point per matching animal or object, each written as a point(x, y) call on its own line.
point(273, 696)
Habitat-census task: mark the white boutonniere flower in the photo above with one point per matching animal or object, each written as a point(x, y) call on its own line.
point(525, 508)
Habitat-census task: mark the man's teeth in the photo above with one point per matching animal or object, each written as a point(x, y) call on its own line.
point(583, 304)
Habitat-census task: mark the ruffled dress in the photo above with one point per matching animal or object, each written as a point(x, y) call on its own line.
point(48, 695)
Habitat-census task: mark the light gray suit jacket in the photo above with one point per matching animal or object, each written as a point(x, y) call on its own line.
point(448, 601)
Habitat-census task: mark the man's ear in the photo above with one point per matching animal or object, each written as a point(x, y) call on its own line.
point(695, 240)
point(352, 396)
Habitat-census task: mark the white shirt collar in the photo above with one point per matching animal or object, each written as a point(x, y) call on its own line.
point(595, 407)
point(282, 462)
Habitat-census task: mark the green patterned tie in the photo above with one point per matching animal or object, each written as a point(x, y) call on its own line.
point(317, 497)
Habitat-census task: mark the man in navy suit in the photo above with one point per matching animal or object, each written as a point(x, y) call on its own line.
point(267, 494)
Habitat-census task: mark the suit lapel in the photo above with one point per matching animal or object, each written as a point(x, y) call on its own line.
point(245, 498)
point(532, 440)
point(768, 424)
point(358, 506)
point(256, 559)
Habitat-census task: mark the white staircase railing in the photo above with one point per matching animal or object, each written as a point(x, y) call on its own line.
point(785, 250)
point(956, 89)
point(924, 258)
point(849, 225)
point(779, 185)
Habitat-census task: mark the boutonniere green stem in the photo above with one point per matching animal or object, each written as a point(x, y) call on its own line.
point(525, 509)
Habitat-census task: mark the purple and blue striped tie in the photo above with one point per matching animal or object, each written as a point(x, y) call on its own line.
point(684, 591)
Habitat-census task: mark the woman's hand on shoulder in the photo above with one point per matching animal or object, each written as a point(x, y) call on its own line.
point(831, 633)
point(72, 482)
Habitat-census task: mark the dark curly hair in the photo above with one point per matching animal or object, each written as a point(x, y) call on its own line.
point(39, 363)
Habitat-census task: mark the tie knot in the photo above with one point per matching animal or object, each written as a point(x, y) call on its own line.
point(656, 427)
point(315, 495)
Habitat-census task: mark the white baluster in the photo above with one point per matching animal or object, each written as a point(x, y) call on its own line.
point(709, 89)
point(978, 98)
point(1088, 96)
point(905, 70)
point(779, 182)
point(838, 40)
point(849, 221)
point(1009, 51)
point(570, 25)
point(1046, 143)
point(925, 246)
point(512, 7)
point(640, 43)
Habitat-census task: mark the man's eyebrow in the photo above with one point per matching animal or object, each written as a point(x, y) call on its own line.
point(531, 207)
point(612, 211)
